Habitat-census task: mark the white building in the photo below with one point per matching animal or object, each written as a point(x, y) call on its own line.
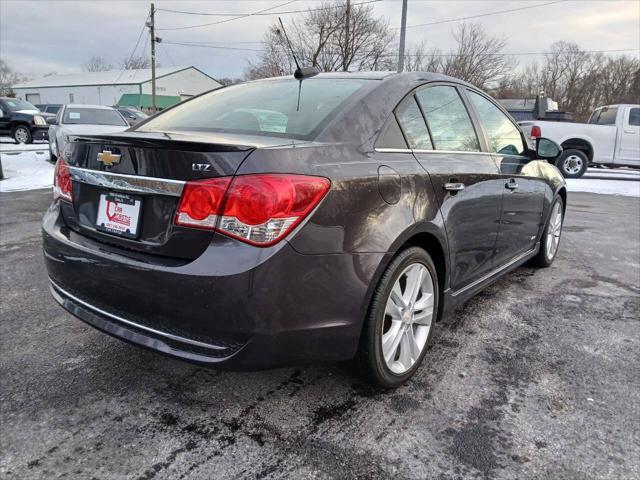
point(106, 88)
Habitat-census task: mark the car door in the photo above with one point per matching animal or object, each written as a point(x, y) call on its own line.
point(5, 120)
point(523, 192)
point(465, 179)
point(629, 153)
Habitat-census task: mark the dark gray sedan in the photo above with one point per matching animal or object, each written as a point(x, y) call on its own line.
point(283, 221)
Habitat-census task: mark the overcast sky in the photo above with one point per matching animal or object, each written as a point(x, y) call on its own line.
point(39, 37)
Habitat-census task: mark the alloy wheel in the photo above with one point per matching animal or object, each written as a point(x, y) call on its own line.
point(21, 135)
point(554, 231)
point(408, 318)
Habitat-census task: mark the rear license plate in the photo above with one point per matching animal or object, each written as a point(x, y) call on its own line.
point(119, 213)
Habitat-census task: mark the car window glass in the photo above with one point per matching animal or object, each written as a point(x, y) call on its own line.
point(413, 126)
point(283, 107)
point(634, 117)
point(503, 135)
point(448, 119)
point(92, 116)
point(392, 136)
point(604, 116)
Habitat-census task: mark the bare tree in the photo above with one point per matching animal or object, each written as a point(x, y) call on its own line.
point(97, 64)
point(136, 62)
point(8, 78)
point(319, 38)
point(477, 57)
point(579, 81)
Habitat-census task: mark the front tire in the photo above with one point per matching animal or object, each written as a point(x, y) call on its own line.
point(400, 321)
point(22, 134)
point(572, 163)
point(551, 236)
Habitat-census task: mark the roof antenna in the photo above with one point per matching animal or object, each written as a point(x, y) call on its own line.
point(301, 72)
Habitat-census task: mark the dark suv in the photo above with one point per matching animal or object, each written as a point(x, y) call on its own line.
point(283, 221)
point(21, 120)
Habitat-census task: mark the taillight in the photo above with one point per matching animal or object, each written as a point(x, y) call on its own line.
point(62, 187)
point(536, 132)
point(257, 209)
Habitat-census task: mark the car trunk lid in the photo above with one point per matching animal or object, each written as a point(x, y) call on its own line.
point(127, 186)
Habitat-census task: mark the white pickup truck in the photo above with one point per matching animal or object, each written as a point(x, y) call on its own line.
point(611, 138)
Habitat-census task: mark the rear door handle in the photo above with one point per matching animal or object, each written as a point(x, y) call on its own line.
point(454, 187)
point(511, 184)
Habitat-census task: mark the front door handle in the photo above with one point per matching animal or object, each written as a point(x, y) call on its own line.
point(454, 186)
point(511, 184)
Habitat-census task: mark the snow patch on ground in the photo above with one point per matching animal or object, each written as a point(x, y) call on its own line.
point(619, 181)
point(27, 170)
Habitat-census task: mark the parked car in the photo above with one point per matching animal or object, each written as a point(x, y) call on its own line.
point(132, 115)
point(80, 119)
point(22, 121)
point(51, 108)
point(610, 138)
point(340, 221)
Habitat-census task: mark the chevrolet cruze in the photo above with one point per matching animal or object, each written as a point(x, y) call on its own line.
point(290, 220)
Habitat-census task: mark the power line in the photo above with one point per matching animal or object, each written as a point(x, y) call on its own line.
point(263, 13)
point(124, 67)
point(164, 49)
point(191, 44)
point(231, 19)
point(497, 12)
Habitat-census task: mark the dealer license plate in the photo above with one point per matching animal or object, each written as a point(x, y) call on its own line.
point(119, 214)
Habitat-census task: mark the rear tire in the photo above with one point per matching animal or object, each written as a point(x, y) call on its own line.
point(550, 236)
point(22, 134)
point(572, 163)
point(53, 158)
point(401, 316)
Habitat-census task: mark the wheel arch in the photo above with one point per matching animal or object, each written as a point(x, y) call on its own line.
point(433, 240)
point(577, 143)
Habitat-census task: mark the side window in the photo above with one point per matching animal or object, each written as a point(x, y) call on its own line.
point(448, 120)
point(413, 126)
point(634, 117)
point(504, 137)
point(391, 136)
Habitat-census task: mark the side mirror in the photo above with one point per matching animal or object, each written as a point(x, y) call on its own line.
point(547, 149)
point(52, 121)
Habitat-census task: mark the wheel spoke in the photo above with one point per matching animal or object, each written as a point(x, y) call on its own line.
point(423, 317)
point(392, 309)
point(390, 342)
point(414, 282)
point(406, 351)
point(396, 295)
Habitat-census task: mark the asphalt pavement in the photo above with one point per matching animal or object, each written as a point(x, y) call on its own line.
point(536, 378)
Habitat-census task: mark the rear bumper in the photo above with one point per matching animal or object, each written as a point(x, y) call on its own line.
point(235, 306)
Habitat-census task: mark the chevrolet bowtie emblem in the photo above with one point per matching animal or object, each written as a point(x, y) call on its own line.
point(108, 158)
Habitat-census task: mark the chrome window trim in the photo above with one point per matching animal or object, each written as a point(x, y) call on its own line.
point(452, 151)
point(128, 183)
point(393, 150)
point(58, 293)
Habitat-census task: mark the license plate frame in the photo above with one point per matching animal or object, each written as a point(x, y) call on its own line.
point(119, 214)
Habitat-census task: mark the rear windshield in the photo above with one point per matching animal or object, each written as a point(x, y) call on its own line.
point(286, 108)
point(92, 116)
point(604, 116)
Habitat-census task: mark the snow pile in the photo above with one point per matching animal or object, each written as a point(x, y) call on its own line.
point(619, 181)
point(26, 170)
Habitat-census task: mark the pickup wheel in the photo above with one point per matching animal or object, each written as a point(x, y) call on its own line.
point(22, 134)
point(572, 163)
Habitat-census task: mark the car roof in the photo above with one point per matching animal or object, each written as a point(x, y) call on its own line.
point(82, 105)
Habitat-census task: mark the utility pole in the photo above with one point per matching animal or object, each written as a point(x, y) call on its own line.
point(403, 32)
point(152, 30)
point(345, 65)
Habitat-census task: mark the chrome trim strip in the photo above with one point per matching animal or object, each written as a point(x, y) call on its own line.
point(452, 151)
point(494, 272)
point(128, 183)
point(392, 150)
point(60, 300)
